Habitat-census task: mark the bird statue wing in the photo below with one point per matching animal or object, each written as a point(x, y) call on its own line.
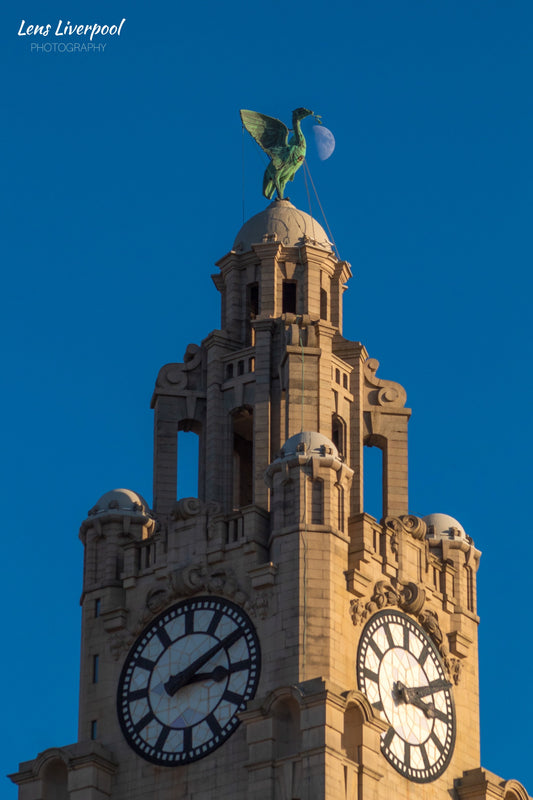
point(269, 133)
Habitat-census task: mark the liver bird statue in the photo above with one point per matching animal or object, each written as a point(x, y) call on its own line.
point(286, 155)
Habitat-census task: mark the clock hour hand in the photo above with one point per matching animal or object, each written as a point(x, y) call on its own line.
point(217, 675)
point(409, 695)
point(184, 677)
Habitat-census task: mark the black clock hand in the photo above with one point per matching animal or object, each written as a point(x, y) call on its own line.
point(421, 691)
point(182, 678)
point(433, 688)
point(408, 696)
point(217, 675)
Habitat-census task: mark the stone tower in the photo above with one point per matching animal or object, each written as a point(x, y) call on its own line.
point(269, 639)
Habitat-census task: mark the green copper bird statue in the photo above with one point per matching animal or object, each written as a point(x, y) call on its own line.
point(286, 154)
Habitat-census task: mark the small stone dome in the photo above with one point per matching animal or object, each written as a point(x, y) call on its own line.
point(309, 443)
point(281, 222)
point(442, 526)
point(121, 501)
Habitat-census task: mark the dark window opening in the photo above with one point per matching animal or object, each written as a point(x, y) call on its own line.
point(243, 428)
point(289, 297)
point(338, 434)
point(97, 607)
point(55, 781)
point(323, 304)
point(94, 729)
point(340, 507)
point(252, 310)
point(345, 381)
point(229, 371)
point(253, 300)
point(95, 669)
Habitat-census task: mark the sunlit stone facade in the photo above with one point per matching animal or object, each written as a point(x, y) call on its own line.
point(268, 638)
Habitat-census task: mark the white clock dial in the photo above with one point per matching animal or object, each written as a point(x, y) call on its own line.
point(186, 678)
point(400, 671)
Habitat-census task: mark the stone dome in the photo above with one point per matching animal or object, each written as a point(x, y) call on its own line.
point(281, 222)
point(309, 443)
point(121, 501)
point(442, 526)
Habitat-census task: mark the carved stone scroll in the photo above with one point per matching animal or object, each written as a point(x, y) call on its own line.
point(407, 523)
point(176, 376)
point(189, 580)
point(408, 596)
point(383, 393)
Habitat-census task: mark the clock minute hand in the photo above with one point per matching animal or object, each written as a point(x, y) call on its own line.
point(432, 688)
point(184, 677)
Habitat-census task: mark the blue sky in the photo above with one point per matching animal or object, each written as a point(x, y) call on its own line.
point(123, 184)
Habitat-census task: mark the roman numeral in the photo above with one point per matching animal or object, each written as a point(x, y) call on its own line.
point(440, 715)
point(372, 676)
point(388, 634)
point(387, 739)
point(425, 758)
point(423, 655)
point(161, 739)
point(378, 706)
point(145, 663)
point(187, 739)
point(405, 639)
point(376, 649)
point(213, 625)
point(138, 694)
point(144, 722)
point(163, 637)
point(437, 742)
point(407, 754)
point(189, 622)
point(231, 697)
point(212, 721)
point(237, 666)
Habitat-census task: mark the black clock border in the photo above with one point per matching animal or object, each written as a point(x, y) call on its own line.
point(154, 759)
point(401, 617)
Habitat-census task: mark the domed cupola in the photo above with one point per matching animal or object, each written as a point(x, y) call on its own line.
point(284, 223)
point(282, 263)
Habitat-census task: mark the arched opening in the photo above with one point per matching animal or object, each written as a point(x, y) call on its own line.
point(286, 719)
point(351, 735)
point(373, 484)
point(243, 457)
point(55, 780)
point(188, 459)
point(338, 433)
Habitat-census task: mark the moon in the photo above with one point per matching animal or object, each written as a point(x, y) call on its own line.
point(324, 141)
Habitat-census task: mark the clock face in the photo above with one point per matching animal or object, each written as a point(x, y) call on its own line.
point(185, 679)
point(400, 671)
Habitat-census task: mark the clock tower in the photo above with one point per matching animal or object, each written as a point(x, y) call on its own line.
point(268, 638)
